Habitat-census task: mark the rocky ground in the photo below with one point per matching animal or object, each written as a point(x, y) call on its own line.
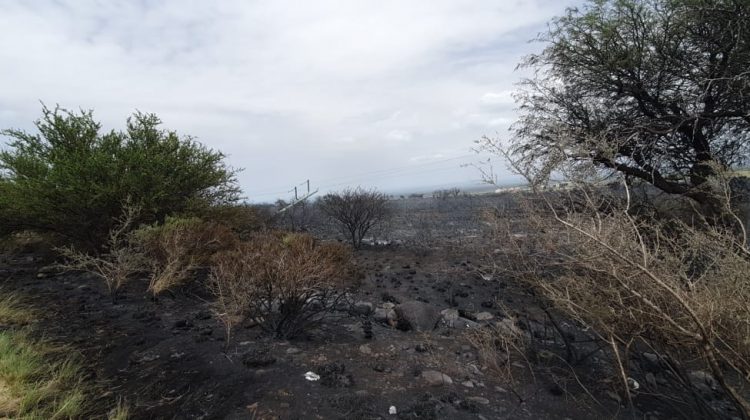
point(401, 347)
point(399, 351)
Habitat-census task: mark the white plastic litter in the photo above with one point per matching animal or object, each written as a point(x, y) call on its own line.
point(312, 376)
point(392, 411)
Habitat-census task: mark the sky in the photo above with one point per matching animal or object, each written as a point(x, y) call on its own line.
point(388, 94)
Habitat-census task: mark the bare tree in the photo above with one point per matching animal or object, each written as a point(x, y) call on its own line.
point(357, 210)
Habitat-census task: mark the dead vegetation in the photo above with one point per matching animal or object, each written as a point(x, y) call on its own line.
point(641, 284)
point(179, 247)
point(121, 259)
point(357, 211)
point(285, 282)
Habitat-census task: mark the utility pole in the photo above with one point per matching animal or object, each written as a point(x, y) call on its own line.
point(297, 198)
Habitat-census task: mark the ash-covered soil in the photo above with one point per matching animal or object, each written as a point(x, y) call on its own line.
point(169, 359)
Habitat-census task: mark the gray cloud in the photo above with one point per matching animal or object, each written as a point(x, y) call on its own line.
point(325, 90)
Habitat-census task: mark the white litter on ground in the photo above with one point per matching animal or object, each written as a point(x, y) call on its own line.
point(312, 376)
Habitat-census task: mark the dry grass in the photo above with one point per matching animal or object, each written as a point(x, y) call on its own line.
point(180, 246)
point(498, 345)
point(286, 282)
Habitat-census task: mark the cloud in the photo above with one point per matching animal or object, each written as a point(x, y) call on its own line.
point(290, 90)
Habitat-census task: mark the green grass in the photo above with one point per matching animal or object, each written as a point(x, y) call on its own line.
point(38, 380)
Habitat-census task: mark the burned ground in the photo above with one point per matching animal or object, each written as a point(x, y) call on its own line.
point(168, 358)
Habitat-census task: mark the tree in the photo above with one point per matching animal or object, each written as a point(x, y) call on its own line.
point(70, 179)
point(658, 90)
point(357, 210)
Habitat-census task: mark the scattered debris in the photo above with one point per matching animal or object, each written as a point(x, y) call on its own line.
point(312, 376)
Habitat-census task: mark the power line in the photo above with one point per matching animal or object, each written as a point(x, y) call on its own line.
point(367, 176)
point(380, 173)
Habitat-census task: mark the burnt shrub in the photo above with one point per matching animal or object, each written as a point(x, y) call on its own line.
point(179, 247)
point(285, 282)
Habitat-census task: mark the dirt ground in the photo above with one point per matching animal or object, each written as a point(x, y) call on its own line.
point(169, 359)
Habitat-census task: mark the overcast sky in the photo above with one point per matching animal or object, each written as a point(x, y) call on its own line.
point(389, 94)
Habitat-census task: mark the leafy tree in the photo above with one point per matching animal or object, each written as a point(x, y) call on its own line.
point(356, 210)
point(71, 179)
point(658, 90)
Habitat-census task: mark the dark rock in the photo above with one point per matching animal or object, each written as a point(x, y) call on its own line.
point(334, 375)
point(367, 329)
point(257, 358)
point(417, 316)
point(463, 313)
point(203, 315)
point(362, 308)
point(183, 324)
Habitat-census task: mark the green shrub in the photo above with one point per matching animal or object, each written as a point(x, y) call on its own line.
point(71, 179)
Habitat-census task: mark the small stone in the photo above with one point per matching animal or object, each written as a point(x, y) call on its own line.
point(392, 410)
point(479, 400)
point(484, 316)
point(383, 315)
point(388, 305)
point(651, 379)
point(449, 315)
point(365, 349)
point(293, 350)
point(363, 308)
point(468, 384)
point(435, 378)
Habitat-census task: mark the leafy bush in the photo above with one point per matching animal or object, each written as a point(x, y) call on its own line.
point(180, 246)
point(286, 282)
point(70, 178)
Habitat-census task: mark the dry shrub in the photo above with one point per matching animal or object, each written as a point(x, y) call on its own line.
point(121, 259)
point(498, 345)
point(286, 282)
point(676, 288)
point(180, 246)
